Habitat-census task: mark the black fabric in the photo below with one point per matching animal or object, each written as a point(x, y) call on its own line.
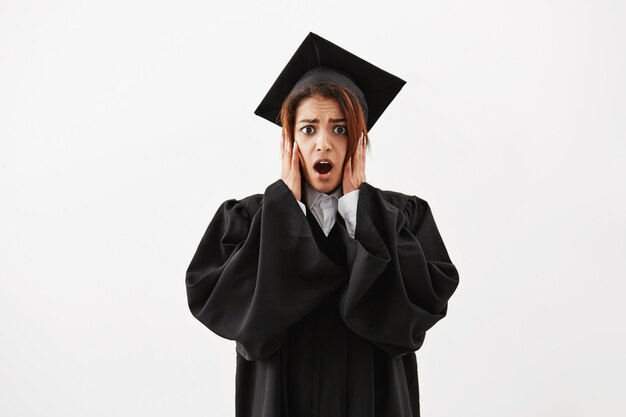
point(332, 246)
point(331, 75)
point(318, 59)
point(324, 326)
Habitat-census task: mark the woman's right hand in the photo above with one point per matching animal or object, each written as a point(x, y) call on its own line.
point(290, 172)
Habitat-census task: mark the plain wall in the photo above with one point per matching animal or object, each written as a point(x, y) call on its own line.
point(125, 124)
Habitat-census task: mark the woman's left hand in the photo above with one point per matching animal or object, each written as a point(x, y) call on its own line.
point(354, 174)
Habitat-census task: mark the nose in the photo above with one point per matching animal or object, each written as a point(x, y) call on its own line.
point(323, 142)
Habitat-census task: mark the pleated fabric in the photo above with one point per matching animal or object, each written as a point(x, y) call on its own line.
point(325, 326)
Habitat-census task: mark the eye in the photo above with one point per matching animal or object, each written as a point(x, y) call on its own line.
point(307, 130)
point(342, 130)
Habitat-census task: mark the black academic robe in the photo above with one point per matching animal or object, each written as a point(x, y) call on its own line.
point(324, 326)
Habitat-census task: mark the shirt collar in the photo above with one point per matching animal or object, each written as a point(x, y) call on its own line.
point(312, 195)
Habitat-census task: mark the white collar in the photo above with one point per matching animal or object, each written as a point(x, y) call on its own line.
point(312, 195)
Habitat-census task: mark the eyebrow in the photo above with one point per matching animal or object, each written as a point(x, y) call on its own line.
point(318, 120)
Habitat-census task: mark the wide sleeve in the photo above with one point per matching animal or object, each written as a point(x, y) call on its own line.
point(401, 276)
point(252, 277)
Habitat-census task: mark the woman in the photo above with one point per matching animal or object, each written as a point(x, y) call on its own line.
point(327, 310)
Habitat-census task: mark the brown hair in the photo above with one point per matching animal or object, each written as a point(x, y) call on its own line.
point(355, 116)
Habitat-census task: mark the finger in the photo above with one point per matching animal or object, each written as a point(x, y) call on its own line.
point(363, 155)
point(285, 151)
point(361, 146)
point(284, 147)
point(348, 169)
point(300, 157)
point(359, 152)
point(357, 159)
point(288, 152)
point(295, 157)
point(286, 156)
point(362, 143)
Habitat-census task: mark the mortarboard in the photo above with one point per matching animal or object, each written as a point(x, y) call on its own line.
point(317, 59)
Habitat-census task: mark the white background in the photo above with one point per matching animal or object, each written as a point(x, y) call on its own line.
point(124, 125)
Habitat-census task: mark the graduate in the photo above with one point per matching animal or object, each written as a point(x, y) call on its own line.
point(326, 283)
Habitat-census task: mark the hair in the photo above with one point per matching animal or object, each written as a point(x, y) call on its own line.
point(354, 113)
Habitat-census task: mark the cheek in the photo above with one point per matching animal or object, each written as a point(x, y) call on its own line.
point(344, 148)
point(301, 145)
point(305, 152)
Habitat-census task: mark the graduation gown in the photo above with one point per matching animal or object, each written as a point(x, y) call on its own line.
point(325, 326)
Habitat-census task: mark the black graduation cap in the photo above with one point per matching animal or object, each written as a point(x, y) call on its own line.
point(320, 60)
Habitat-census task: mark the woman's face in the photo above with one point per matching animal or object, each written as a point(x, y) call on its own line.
point(321, 133)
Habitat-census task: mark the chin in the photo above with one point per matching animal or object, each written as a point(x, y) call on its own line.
point(324, 186)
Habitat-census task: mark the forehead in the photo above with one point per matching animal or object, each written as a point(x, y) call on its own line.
point(317, 106)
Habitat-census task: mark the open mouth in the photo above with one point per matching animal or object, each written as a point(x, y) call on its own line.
point(323, 167)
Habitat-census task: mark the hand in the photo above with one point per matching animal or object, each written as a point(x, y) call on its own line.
point(354, 174)
point(290, 172)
